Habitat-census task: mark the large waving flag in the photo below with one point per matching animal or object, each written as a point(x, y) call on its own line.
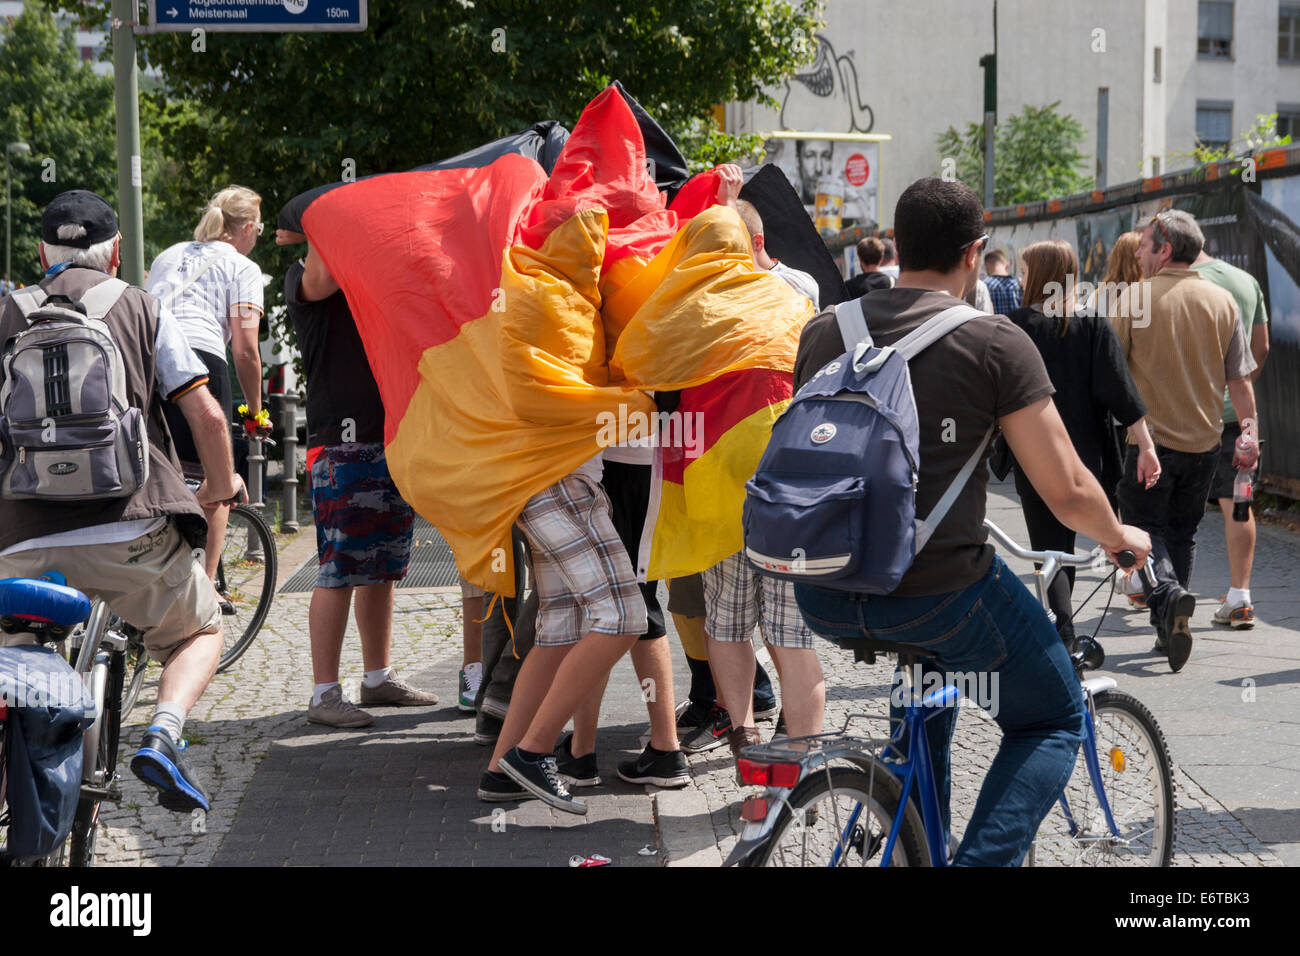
point(509, 316)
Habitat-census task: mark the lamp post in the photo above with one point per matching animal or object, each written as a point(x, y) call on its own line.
point(11, 149)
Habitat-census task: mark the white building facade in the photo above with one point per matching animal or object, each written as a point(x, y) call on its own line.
point(1162, 73)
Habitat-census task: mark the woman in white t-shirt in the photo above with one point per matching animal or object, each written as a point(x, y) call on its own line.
point(215, 292)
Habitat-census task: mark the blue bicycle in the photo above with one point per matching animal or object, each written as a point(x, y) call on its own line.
point(842, 800)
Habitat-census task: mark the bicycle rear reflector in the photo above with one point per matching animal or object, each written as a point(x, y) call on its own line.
point(784, 775)
point(753, 810)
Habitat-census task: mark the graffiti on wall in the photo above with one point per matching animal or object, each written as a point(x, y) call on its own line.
point(837, 181)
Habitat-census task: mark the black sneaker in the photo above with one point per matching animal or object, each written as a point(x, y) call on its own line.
point(487, 729)
point(1179, 608)
point(691, 716)
point(660, 768)
point(780, 730)
point(708, 735)
point(578, 771)
point(161, 764)
point(495, 786)
point(539, 777)
point(766, 709)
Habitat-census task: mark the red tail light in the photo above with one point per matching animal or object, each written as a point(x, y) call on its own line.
point(783, 775)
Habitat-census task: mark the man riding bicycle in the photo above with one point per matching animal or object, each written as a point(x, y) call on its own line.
point(136, 551)
point(958, 599)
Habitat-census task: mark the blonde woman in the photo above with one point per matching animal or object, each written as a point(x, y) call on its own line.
point(215, 292)
point(1088, 369)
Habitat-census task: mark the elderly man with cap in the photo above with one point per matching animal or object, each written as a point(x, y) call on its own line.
point(136, 552)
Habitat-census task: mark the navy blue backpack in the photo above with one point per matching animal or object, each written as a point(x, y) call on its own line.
point(833, 502)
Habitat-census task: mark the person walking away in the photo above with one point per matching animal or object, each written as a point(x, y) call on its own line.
point(1004, 289)
point(1088, 370)
point(1183, 347)
point(215, 292)
point(363, 526)
point(1236, 609)
point(132, 548)
point(870, 252)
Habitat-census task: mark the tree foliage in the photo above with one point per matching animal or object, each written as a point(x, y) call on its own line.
point(281, 113)
point(1036, 156)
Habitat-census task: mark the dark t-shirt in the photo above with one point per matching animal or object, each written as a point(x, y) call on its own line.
point(984, 370)
point(340, 385)
point(866, 282)
point(1090, 373)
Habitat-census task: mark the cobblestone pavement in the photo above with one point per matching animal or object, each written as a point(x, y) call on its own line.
point(286, 792)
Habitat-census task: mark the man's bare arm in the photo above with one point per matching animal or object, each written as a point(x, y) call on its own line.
point(1258, 348)
point(317, 283)
point(1043, 450)
point(211, 434)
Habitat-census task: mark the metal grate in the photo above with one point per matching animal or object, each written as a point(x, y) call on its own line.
point(431, 565)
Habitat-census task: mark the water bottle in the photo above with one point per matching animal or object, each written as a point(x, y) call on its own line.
point(1243, 488)
point(1242, 491)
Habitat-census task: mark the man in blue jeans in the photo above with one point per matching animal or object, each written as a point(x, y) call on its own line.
point(958, 599)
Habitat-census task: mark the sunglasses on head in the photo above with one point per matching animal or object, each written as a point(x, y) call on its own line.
point(1155, 221)
point(982, 240)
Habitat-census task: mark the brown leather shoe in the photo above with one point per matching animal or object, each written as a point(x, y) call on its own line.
point(740, 738)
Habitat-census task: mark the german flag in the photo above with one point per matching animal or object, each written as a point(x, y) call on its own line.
point(507, 314)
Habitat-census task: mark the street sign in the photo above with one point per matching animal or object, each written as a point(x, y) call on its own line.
point(256, 16)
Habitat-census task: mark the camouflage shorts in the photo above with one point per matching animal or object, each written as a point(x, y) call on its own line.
point(363, 526)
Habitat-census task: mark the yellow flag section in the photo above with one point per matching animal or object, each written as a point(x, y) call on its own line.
point(510, 405)
point(701, 318)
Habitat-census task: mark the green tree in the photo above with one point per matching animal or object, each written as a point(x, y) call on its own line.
point(281, 113)
point(1263, 135)
point(1036, 156)
point(63, 110)
point(56, 103)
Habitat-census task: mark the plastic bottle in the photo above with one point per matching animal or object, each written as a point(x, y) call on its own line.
point(1242, 491)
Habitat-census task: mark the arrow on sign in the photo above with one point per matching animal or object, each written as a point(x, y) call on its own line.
point(173, 13)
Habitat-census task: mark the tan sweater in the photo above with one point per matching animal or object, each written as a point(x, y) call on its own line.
point(1182, 354)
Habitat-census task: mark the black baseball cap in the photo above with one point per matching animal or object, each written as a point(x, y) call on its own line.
point(82, 208)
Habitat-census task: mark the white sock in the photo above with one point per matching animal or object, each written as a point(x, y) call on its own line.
point(171, 718)
point(1238, 596)
point(375, 678)
point(320, 691)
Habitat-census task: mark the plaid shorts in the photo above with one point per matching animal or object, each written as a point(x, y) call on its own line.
point(585, 580)
point(363, 526)
point(738, 598)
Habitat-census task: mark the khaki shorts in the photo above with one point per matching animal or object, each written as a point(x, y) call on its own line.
point(153, 583)
point(468, 590)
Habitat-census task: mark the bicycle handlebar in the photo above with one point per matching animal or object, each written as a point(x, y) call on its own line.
point(1070, 560)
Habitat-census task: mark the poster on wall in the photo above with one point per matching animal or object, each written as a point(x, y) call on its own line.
point(1096, 236)
point(837, 181)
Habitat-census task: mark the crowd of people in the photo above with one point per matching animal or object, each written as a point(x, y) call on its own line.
point(1060, 382)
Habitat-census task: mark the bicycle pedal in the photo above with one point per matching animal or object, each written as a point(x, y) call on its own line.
point(111, 794)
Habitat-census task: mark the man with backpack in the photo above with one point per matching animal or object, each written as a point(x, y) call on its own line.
point(90, 485)
point(951, 594)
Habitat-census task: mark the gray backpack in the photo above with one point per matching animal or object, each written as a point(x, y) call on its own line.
point(69, 431)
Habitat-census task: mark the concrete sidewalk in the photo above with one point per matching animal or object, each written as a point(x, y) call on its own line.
point(402, 792)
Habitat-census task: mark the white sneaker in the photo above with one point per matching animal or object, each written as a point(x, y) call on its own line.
point(470, 679)
point(1237, 616)
point(1130, 585)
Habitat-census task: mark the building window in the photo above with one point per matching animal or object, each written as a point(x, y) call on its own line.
point(1214, 124)
point(1288, 33)
point(1157, 66)
point(1288, 121)
point(1214, 30)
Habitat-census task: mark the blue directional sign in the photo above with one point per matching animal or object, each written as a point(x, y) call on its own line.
point(256, 16)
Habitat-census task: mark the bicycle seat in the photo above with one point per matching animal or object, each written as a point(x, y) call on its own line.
point(42, 602)
point(865, 649)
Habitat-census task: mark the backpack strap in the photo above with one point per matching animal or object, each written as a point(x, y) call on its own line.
point(101, 298)
point(28, 300)
point(925, 528)
point(920, 338)
point(853, 324)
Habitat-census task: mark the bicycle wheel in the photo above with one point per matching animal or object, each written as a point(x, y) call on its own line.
point(1137, 778)
point(246, 577)
point(85, 825)
point(137, 663)
point(851, 812)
